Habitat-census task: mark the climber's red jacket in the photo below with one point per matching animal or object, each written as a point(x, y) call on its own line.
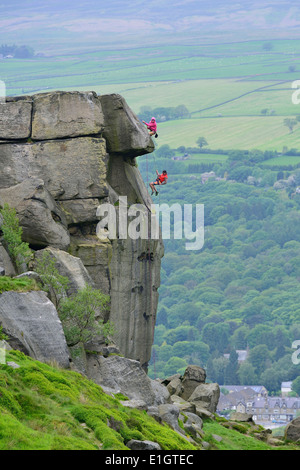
point(162, 178)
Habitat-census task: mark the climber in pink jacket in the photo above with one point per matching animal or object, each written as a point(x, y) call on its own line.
point(152, 126)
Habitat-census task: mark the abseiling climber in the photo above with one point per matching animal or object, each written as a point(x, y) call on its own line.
point(161, 179)
point(152, 127)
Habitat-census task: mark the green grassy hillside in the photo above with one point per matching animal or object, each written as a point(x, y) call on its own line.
point(43, 407)
point(46, 408)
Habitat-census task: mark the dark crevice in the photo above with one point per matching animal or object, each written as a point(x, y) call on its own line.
point(146, 256)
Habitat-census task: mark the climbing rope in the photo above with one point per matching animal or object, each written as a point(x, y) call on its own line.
point(150, 258)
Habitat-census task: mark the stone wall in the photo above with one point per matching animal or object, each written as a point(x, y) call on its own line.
point(62, 154)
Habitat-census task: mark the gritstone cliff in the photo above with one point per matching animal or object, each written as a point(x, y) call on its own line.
point(62, 154)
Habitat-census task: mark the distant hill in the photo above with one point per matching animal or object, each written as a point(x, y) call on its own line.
point(91, 20)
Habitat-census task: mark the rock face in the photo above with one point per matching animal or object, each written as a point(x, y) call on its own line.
point(15, 119)
point(63, 155)
point(193, 376)
point(42, 220)
point(122, 129)
point(68, 266)
point(191, 389)
point(32, 324)
point(121, 375)
point(61, 114)
point(207, 395)
point(70, 168)
point(127, 376)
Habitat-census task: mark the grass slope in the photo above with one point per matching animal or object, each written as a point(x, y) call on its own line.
point(43, 407)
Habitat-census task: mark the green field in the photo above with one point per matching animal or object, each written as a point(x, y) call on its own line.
point(238, 94)
point(264, 133)
point(206, 158)
point(284, 160)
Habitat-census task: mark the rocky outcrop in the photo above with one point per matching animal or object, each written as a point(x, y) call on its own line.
point(191, 392)
point(120, 375)
point(15, 119)
point(193, 376)
point(42, 221)
point(207, 396)
point(134, 444)
point(32, 324)
point(68, 266)
point(70, 168)
point(63, 155)
point(122, 129)
point(61, 114)
point(292, 431)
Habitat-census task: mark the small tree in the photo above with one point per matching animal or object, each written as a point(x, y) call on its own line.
point(290, 123)
point(201, 142)
point(3, 336)
point(82, 316)
point(164, 151)
point(267, 46)
point(19, 251)
point(53, 282)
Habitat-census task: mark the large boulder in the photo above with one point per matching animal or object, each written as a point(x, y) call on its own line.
point(42, 221)
point(15, 119)
point(192, 424)
point(66, 114)
point(292, 431)
point(33, 326)
point(126, 376)
point(169, 413)
point(241, 417)
point(134, 444)
point(123, 131)
point(193, 376)
point(68, 266)
point(207, 396)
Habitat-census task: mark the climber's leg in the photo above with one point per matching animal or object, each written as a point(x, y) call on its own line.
point(152, 187)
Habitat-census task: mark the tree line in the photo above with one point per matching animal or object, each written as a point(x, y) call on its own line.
point(19, 52)
point(241, 291)
point(162, 114)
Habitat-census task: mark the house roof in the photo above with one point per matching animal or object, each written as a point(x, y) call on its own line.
point(239, 388)
point(235, 398)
